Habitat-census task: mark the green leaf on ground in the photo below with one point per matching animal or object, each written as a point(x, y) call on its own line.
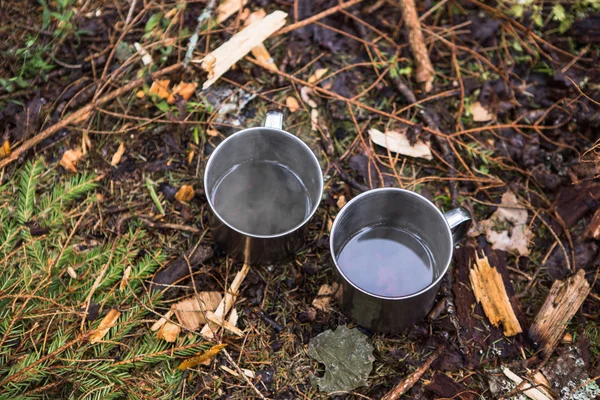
point(348, 359)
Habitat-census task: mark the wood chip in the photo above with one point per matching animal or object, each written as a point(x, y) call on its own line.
point(233, 317)
point(125, 278)
point(229, 370)
point(224, 324)
point(479, 113)
point(183, 89)
point(190, 312)
point(260, 52)
point(532, 393)
point(71, 272)
point(160, 88)
point(562, 303)
point(292, 104)
point(397, 142)
point(116, 158)
point(70, 158)
point(593, 229)
point(210, 329)
point(228, 8)
point(158, 324)
point(185, 193)
point(489, 290)
point(168, 332)
point(5, 149)
point(146, 58)
point(222, 59)
point(202, 357)
point(107, 322)
point(324, 296)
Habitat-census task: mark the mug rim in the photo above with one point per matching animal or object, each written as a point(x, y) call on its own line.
point(289, 135)
point(356, 199)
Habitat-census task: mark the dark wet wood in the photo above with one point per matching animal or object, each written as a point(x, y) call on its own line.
point(445, 387)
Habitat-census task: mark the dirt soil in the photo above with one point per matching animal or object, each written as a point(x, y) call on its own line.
point(514, 107)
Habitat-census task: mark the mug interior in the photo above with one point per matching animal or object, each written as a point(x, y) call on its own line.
point(265, 144)
point(400, 209)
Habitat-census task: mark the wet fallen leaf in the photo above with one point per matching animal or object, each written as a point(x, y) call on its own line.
point(200, 358)
point(324, 296)
point(168, 332)
point(5, 149)
point(479, 113)
point(70, 158)
point(125, 278)
point(106, 323)
point(160, 88)
point(292, 104)
point(183, 89)
point(511, 217)
point(116, 158)
point(317, 75)
point(348, 359)
point(398, 142)
point(185, 193)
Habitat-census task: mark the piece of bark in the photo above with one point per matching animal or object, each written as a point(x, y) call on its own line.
point(445, 387)
point(222, 59)
point(573, 202)
point(593, 229)
point(228, 8)
point(161, 321)
point(107, 322)
point(562, 303)
point(424, 73)
point(489, 290)
point(211, 328)
point(178, 269)
point(168, 332)
point(528, 390)
point(190, 312)
point(408, 382)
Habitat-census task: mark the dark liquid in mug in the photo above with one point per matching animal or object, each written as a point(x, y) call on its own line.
point(387, 262)
point(261, 198)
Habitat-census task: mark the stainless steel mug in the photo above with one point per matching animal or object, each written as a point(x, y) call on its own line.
point(271, 144)
point(409, 211)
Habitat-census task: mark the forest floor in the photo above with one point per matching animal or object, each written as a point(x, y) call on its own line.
point(102, 193)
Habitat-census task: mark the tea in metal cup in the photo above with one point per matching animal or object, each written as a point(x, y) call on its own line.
point(418, 219)
point(263, 185)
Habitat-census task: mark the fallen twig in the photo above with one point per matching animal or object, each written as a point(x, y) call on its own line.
point(316, 17)
point(424, 73)
point(408, 382)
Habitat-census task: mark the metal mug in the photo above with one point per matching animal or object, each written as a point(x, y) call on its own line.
point(396, 208)
point(268, 143)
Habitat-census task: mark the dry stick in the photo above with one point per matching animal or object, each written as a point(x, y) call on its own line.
point(315, 17)
point(408, 382)
point(202, 18)
point(186, 228)
point(424, 73)
point(80, 114)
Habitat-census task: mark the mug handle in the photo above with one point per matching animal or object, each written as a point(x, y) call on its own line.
point(459, 220)
point(274, 119)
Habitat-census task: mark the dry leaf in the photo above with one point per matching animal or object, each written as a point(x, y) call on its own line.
point(317, 75)
point(116, 158)
point(200, 358)
point(185, 193)
point(263, 56)
point(292, 104)
point(341, 201)
point(397, 142)
point(160, 88)
point(324, 296)
point(479, 113)
point(190, 312)
point(212, 132)
point(70, 158)
point(168, 332)
point(125, 278)
point(190, 157)
point(228, 8)
point(140, 94)
point(183, 89)
point(106, 323)
point(515, 239)
point(71, 272)
point(5, 149)
point(225, 56)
